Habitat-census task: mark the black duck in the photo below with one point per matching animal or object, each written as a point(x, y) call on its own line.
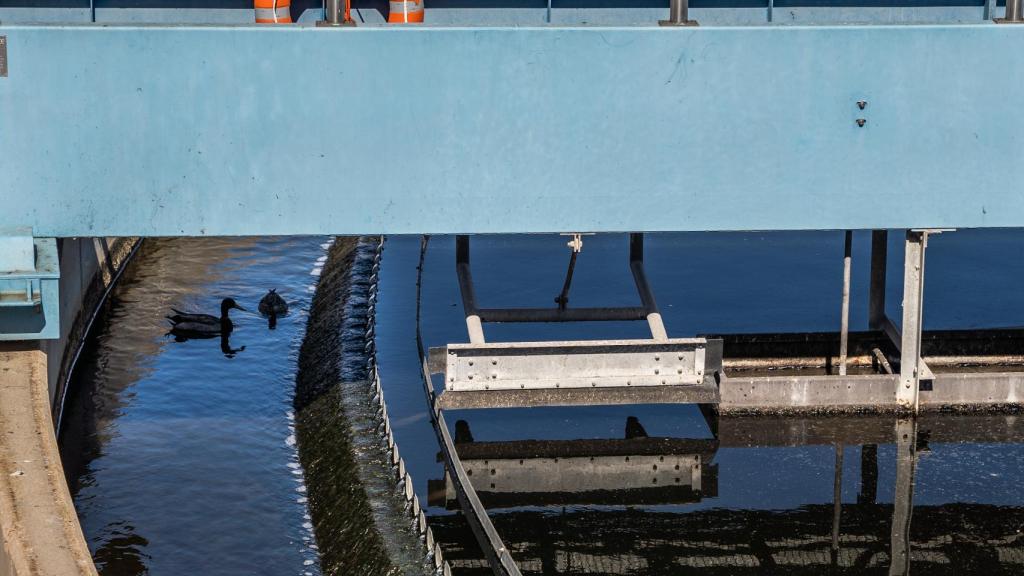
point(184, 323)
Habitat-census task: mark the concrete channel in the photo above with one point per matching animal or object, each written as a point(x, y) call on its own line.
point(40, 530)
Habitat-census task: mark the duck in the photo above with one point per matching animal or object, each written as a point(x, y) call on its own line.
point(273, 305)
point(188, 323)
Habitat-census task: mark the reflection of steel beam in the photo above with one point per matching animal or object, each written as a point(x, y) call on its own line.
point(903, 499)
point(633, 470)
point(749, 431)
point(594, 479)
point(597, 480)
point(837, 502)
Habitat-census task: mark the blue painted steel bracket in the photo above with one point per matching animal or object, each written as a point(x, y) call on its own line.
point(287, 130)
point(29, 286)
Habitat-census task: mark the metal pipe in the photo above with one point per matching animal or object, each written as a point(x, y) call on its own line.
point(844, 323)
point(876, 298)
point(1014, 12)
point(678, 12)
point(332, 12)
point(636, 264)
point(561, 314)
point(473, 323)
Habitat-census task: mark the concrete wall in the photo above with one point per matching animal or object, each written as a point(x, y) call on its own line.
point(39, 529)
point(88, 267)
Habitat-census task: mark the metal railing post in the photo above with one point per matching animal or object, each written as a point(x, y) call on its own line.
point(679, 14)
point(1014, 13)
point(336, 13)
point(331, 12)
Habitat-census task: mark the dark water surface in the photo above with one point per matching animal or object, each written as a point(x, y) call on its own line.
point(777, 495)
point(181, 456)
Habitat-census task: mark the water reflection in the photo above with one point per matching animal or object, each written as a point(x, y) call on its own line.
point(122, 551)
point(225, 342)
point(660, 505)
point(180, 461)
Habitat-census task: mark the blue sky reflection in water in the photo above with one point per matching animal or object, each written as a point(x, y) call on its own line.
point(767, 504)
point(188, 462)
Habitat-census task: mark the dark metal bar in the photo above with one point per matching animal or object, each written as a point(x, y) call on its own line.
point(879, 253)
point(643, 288)
point(473, 321)
point(563, 298)
point(559, 315)
point(837, 502)
point(868, 474)
point(487, 537)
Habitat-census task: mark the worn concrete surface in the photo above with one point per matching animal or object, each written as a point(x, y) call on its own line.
point(39, 526)
point(41, 534)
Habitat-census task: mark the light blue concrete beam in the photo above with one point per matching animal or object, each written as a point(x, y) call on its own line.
point(118, 131)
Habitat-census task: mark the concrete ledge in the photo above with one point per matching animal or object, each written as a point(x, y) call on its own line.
point(38, 523)
point(963, 391)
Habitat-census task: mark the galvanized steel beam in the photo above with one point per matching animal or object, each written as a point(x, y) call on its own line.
point(221, 130)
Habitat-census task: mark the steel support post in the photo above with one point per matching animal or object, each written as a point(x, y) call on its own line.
point(844, 321)
point(473, 324)
point(913, 304)
point(903, 498)
point(678, 14)
point(636, 264)
point(332, 12)
point(336, 13)
point(876, 298)
point(1014, 13)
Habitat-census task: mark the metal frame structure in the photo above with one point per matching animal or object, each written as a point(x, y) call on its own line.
point(476, 316)
point(29, 286)
point(611, 371)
